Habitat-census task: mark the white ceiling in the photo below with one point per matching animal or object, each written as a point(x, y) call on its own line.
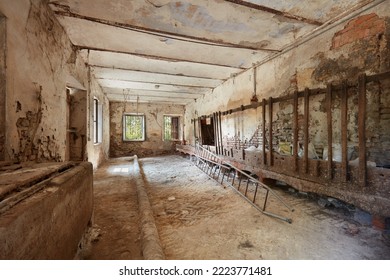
point(177, 51)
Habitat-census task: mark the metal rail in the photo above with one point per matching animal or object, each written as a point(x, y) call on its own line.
point(210, 163)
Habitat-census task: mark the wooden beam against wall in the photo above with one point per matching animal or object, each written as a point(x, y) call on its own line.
point(215, 134)
point(220, 131)
point(194, 122)
point(263, 127)
point(330, 130)
point(306, 131)
point(270, 112)
point(295, 131)
point(362, 130)
point(200, 131)
point(344, 132)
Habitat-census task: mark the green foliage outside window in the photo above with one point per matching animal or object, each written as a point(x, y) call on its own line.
point(133, 128)
point(171, 128)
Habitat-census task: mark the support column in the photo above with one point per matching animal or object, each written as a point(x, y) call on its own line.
point(362, 130)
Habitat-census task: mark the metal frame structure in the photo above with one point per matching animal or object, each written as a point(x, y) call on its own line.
point(218, 169)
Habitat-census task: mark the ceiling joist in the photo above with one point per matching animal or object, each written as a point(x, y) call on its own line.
point(160, 33)
point(178, 75)
point(275, 12)
point(155, 57)
point(158, 84)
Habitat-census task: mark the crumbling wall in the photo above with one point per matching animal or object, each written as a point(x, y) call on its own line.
point(37, 50)
point(2, 85)
point(153, 144)
point(359, 45)
point(40, 58)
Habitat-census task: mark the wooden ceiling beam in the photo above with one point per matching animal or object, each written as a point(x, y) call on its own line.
point(65, 12)
point(275, 12)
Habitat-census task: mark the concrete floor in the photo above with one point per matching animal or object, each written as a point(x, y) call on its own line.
point(199, 219)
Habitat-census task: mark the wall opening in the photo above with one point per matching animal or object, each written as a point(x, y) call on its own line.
point(76, 124)
point(207, 130)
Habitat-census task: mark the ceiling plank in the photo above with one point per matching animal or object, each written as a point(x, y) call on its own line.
point(151, 99)
point(170, 59)
point(275, 12)
point(140, 93)
point(157, 83)
point(126, 61)
point(151, 86)
point(155, 32)
point(206, 80)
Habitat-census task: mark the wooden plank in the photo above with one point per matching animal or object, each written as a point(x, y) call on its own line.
point(295, 131)
point(306, 131)
point(362, 131)
point(215, 126)
point(200, 130)
point(220, 129)
point(194, 122)
point(270, 112)
point(330, 130)
point(344, 132)
point(264, 138)
point(378, 77)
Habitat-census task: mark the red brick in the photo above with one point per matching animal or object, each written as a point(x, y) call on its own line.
point(336, 42)
point(379, 222)
point(376, 30)
point(367, 33)
point(364, 18)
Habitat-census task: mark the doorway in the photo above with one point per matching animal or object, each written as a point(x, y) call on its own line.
point(76, 124)
point(207, 131)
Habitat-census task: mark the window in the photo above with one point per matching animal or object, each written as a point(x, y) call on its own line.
point(133, 127)
point(97, 121)
point(171, 128)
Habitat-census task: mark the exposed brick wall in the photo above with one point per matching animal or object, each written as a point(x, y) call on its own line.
point(359, 28)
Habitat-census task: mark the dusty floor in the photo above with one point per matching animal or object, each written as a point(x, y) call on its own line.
point(199, 219)
point(115, 232)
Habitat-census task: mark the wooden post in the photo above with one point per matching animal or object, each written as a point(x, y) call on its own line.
point(220, 129)
point(264, 138)
point(270, 111)
point(362, 130)
point(306, 131)
point(200, 131)
point(215, 127)
point(194, 120)
point(344, 132)
point(295, 131)
point(330, 130)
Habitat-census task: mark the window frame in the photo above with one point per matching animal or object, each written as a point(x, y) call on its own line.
point(179, 127)
point(97, 118)
point(124, 127)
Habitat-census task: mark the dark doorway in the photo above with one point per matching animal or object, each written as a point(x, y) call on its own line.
point(207, 130)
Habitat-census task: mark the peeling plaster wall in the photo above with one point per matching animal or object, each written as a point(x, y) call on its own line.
point(356, 46)
point(39, 59)
point(2, 84)
point(97, 153)
point(153, 144)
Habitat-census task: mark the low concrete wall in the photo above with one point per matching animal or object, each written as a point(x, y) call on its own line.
point(50, 223)
point(151, 245)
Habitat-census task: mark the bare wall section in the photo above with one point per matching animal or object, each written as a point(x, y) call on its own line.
point(153, 144)
point(2, 85)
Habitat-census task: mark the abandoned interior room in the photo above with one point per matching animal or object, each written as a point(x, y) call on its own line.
point(208, 129)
